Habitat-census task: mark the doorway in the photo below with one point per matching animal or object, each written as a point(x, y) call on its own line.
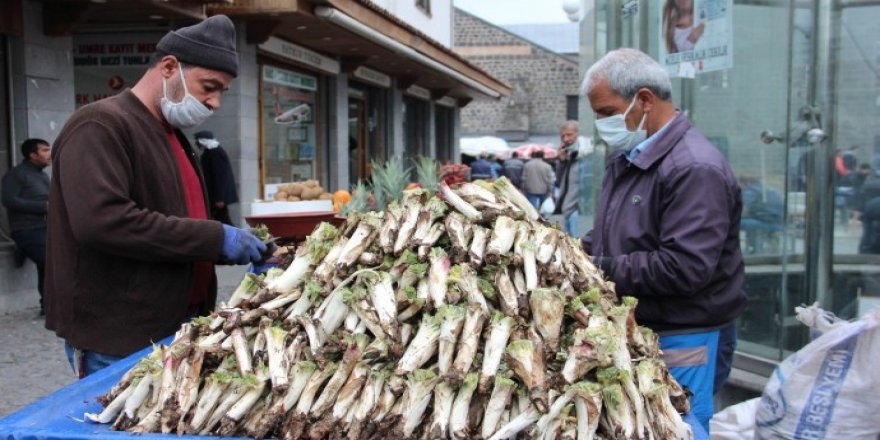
point(359, 161)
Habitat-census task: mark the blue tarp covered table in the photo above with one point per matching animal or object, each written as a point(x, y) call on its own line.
point(58, 415)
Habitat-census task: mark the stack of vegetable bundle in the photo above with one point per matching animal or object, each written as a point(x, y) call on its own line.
point(455, 315)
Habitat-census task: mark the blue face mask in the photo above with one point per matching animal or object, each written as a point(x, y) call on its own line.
point(614, 132)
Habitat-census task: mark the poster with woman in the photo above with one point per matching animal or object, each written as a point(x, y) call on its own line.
point(696, 36)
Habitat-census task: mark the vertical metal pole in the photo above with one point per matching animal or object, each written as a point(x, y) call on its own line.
point(339, 133)
point(818, 252)
point(787, 231)
point(615, 25)
point(397, 136)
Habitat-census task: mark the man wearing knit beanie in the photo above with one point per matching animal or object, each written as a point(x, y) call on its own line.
point(131, 246)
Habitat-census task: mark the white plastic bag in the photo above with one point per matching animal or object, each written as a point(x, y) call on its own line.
point(736, 422)
point(547, 207)
point(829, 388)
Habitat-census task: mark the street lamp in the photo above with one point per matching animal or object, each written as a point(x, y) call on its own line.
point(574, 9)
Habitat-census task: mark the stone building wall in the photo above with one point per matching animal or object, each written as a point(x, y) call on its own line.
point(540, 78)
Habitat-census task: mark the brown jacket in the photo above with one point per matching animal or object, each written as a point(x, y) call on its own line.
point(120, 246)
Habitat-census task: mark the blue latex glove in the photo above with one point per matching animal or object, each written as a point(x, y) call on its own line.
point(240, 246)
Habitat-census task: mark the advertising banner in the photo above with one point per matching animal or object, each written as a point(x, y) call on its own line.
point(696, 36)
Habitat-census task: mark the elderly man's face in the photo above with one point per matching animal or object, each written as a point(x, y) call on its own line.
point(205, 85)
point(606, 103)
point(568, 135)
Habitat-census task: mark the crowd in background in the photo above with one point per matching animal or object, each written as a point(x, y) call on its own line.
point(552, 184)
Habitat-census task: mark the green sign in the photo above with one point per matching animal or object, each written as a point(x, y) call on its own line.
point(288, 78)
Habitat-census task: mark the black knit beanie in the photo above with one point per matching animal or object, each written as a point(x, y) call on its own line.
point(209, 44)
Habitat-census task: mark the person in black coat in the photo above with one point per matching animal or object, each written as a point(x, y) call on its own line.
point(219, 179)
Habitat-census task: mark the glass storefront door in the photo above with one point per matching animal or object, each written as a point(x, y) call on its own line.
point(366, 129)
point(358, 159)
point(853, 133)
point(444, 121)
point(795, 114)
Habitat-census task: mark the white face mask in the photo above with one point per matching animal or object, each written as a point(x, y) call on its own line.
point(614, 132)
point(209, 144)
point(187, 113)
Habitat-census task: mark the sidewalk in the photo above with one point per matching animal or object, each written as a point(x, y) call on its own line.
point(32, 360)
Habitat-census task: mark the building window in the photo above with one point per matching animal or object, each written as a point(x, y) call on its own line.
point(571, 107)
point(424, 5)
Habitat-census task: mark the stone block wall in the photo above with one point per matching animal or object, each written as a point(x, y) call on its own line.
point(540, 79)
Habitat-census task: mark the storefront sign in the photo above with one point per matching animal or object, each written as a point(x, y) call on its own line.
point(446, 101)
point(105, 64)
point(419, 92)
point(372, 76)
point(301, 55)
point(288, 78)
point(700, 40)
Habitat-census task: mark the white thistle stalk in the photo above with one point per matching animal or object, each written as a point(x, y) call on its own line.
point(438, 274)
point(421, 348)
point(546, 238)
point(507, 191)
point(138, 396)
point(508, 298)
point(497, 403)
point(236, 413)
point(499, 332)
point(444, 396)
point(113, 409)
point(503, 235)
point(452, 321)
point(478, 245)
point(548, 307)
point(278, 362)
point(468, 344)
point(419, 386)
point(517, 424)
point(458, 418)
point(458, 203)
point(383, 299)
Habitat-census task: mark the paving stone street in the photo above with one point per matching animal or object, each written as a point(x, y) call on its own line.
point(32, 360)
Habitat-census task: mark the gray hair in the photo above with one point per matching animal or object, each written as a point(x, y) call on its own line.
point(628, 70)
point(571, 124)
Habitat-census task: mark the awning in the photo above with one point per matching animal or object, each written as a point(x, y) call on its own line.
point(356, 32)
point(362, 34)
point(474, 146)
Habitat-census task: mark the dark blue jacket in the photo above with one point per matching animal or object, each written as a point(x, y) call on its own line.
point(218, 176)
point(481, 169)
point(669, 221)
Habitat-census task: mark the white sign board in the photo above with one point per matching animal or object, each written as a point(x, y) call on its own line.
point(300, 54)
point(696, 39)
point(446, 101)
point(372, 76)
point(419, 92)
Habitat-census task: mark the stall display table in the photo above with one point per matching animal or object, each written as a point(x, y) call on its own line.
point(59, 415)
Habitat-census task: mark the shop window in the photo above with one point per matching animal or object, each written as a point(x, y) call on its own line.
point(571, 108)
point(291, 148)
point(415, 129)
point(443, 126)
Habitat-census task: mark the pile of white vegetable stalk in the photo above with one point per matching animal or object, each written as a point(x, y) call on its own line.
point(451, 315)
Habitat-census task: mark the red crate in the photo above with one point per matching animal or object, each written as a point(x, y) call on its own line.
point(294, 226)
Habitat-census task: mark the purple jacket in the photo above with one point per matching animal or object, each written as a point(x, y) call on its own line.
point(670, 223)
